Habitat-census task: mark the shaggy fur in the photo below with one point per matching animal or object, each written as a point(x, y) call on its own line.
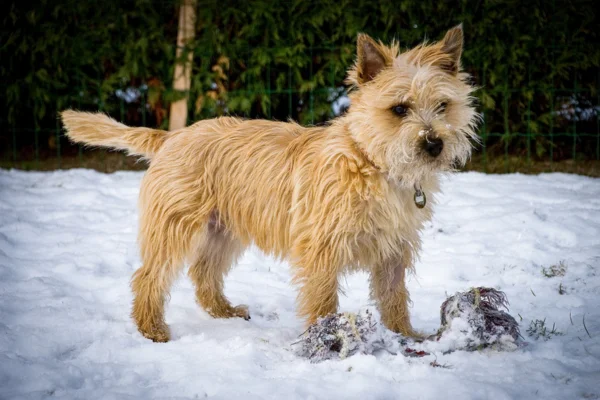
point(329, 199)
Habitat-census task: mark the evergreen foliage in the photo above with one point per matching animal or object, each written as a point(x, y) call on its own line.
point(537, 62)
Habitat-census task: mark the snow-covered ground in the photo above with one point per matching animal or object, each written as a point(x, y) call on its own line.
point(67, 252)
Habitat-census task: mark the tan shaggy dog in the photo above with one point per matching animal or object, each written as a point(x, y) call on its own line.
point(330, 199)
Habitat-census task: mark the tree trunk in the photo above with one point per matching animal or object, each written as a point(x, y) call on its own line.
point(183, 68)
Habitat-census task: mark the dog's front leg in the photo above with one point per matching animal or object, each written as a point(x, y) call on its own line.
point(318, 277)
point(388, 289)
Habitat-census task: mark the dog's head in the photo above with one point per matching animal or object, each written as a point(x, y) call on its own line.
point(412, 113)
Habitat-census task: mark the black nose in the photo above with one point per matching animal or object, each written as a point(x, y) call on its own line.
point(434, 146)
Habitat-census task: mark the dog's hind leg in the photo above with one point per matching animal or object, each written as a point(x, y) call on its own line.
point(150, 286)
point(217, 251)
point(171, 217)
point(163, 254)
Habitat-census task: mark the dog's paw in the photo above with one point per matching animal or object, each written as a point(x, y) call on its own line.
point(418, 337)
point(158, 334)
point(241, 311)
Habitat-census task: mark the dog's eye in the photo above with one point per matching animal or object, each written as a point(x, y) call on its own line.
point(442, 106)
point(400, 110)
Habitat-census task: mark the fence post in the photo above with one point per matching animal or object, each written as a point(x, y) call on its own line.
point(183, 68)
point(484, 127)
point(14, 145)
point(289, 91)
point(246, 91)
point(36, 135)
point(529, 116)
point(552, 92)
point(575, 121)
point(58, 155)
point(311, 94)
point(506, 123)
point(269, 87)
point(143, 99)
point(122, 112)
point(79, 95)
point(100, 107)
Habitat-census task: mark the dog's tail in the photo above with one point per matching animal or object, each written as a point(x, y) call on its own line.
point(97, 129)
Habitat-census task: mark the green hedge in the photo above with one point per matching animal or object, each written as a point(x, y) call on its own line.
point(536, 62)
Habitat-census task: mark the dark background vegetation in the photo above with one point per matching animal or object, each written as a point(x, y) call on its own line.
point(537, 63)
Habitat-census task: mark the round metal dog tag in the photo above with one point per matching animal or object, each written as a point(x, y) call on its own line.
point(420, 199)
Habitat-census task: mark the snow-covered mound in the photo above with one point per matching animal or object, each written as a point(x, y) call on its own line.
point(67, 253)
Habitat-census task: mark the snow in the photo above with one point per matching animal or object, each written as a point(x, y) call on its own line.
point(68, 250)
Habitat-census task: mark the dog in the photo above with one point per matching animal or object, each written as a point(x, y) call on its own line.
point(351, 195)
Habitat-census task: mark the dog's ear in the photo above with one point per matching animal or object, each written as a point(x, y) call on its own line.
point(371, 58)
point(452, 46)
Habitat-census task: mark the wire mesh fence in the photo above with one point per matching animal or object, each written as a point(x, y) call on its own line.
point(571, 115)
point(571, 128)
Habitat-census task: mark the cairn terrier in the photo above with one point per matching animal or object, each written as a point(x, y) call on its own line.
point(351, 195)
